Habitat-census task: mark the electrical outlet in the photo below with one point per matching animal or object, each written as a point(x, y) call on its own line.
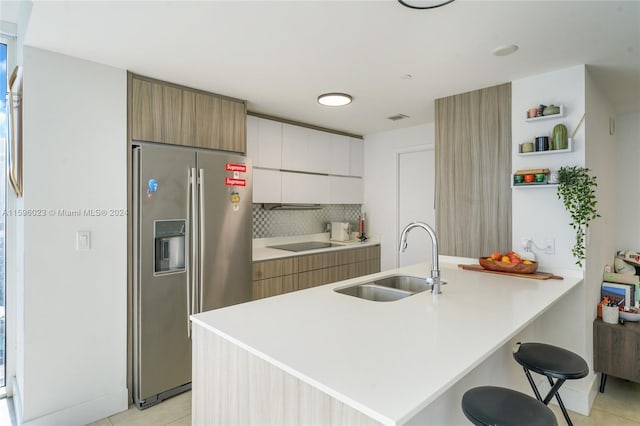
point(550, 246)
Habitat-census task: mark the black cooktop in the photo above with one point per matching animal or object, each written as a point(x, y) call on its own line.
point(307, 245)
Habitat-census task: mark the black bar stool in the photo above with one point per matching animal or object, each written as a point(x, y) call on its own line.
point(554, 363)
point(495, 406)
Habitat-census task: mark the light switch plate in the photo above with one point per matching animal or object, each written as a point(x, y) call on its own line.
point(83, 240)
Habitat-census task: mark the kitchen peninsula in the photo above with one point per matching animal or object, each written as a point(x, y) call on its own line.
point(318, 356)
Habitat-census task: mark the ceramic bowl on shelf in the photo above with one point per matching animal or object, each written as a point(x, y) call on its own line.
point(517, 268)
point(630, 316)
point(551, 110)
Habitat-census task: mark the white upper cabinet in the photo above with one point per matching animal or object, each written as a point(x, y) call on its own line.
point(345, 190)
point(340, 155)
point(276, 148)
point(305, 150)
point(252, 138)
point(267, 186)
point(295, 141)
point(269, 144)
point(319, 151)
point(305, 188)
point(264, 142)
point(356, 158)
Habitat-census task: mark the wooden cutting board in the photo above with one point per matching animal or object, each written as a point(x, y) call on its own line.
point(535, 275)
point(531, 172)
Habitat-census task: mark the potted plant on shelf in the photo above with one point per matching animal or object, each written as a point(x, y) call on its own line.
point(576, 189)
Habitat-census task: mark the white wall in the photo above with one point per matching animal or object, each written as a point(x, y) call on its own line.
point(540, 214)
point(73, 318)
point(380, 182)
point(537, 212)
point(627, 130)
point(601, 159)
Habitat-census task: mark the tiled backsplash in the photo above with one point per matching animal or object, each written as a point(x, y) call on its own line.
point(286, 223)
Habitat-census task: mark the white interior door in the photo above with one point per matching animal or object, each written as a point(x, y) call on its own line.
point(416, 183)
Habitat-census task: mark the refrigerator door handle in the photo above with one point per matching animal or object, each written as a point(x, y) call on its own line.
point(194, 245)
point(189, 256)
point(201, 239)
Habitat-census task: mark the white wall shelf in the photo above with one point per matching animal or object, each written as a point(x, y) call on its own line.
point(551, 151)
point(534, 185)
point(545, 117)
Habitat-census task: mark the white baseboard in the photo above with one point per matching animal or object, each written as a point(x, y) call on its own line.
point(577, 395)
point(81, 414)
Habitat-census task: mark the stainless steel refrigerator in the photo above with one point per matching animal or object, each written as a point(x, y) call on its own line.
point(192, 235)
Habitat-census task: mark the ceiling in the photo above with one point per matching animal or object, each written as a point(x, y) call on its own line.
point(280, 55)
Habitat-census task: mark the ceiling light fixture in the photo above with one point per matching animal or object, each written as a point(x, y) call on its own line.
point(334, 99)
point(505, 50)
point(424, 4)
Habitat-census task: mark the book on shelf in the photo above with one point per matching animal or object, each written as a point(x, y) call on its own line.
point(612, 277)
point(620, 294)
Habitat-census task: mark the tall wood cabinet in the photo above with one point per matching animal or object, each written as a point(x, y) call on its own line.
point(278, 276)
point(167, 113)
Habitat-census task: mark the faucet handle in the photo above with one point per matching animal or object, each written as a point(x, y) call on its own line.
point(434, 284)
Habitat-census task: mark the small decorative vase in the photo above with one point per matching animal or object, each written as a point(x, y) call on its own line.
point(559, 139)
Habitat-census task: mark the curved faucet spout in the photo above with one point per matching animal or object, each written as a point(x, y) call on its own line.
point(434, 280)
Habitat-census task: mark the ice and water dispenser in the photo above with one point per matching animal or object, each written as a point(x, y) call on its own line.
point(169, 246)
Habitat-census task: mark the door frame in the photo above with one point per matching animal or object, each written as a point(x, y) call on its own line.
point(13, 246)
point(398, 153)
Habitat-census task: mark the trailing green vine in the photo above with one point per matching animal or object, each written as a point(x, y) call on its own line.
point(576, 189)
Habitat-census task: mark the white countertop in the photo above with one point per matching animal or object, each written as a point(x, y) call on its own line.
point(388, 359)
point(262, 252)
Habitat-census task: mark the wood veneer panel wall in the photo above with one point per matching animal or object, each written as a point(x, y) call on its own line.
point(473, 172)
point(234, 387)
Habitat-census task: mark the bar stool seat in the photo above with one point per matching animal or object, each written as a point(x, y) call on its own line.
point(491, 405)
point(554, 363)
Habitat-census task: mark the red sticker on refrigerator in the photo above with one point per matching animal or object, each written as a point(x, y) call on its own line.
point(232, 167)
point(235, 182)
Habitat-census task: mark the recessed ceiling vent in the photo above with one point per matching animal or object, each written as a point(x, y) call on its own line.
point(398, 117)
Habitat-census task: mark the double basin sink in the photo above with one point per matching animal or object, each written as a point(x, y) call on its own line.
point(386, 289)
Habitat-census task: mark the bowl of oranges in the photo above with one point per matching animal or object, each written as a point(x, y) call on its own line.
point(508, 262)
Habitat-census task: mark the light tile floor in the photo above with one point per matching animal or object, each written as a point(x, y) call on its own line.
point(618, 406)
point(174, 411)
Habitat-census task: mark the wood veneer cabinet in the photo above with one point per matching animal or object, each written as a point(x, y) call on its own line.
point(267, 394)
point(167, 113)
point(616, 349)
point(278, 276)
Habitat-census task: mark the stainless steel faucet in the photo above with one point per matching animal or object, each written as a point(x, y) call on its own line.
point(434, 280)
